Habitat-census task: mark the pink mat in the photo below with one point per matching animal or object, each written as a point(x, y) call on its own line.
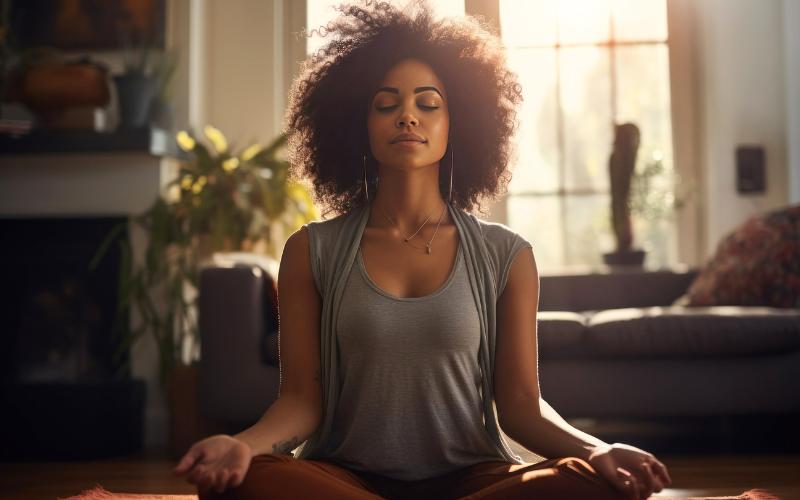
point(100, 493)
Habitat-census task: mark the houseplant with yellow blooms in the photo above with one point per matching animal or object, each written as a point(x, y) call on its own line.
point(221, 200)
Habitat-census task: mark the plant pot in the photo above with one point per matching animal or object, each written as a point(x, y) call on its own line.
point(162, 113)
point(49, 90)
point(135, 94)
point(625, 258)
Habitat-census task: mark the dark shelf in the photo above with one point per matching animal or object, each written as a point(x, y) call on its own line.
point(153, 141)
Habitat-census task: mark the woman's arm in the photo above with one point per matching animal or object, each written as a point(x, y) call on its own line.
point(298, 411)
point(288, 422)
point(530, 420)
point(522, 413)
point(539, 428)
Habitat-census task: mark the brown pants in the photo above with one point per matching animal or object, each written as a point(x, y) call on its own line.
point(284, 477)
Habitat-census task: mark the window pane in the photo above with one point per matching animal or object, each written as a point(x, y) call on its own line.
point(526, 23)
point(640, 19)
point(536, 140)
point(320, 12)
point(538, 218)
point(644, 99)
point(586, 105)
point(588, 229)
point(659, 239)
point(583, 21)
point(643, 96)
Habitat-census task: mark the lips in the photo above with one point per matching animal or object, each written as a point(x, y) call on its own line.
point(407, 137)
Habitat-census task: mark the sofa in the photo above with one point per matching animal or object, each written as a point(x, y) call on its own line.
point(612, 345)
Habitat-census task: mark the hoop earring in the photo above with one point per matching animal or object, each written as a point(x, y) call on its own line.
point(366, 187)
point(452, 161)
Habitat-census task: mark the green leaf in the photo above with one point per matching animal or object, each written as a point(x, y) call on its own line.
point(101, 251)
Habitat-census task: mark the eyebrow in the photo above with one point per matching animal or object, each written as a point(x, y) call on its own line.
point(416, 90)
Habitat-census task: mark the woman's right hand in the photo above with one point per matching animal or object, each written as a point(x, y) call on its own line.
point(219, 462)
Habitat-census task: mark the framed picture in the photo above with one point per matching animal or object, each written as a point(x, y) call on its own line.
point(87, 24)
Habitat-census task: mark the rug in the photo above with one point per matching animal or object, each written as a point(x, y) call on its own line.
point(100, 493)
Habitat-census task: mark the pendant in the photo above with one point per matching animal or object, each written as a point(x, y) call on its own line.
point(429, 248)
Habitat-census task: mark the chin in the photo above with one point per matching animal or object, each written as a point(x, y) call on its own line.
point(408, 163)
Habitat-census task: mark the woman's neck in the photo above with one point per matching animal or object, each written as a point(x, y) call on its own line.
point(410, 196)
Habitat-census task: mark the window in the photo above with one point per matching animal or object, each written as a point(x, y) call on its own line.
point(585, 65)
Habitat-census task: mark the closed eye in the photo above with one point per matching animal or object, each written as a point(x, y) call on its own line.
point(386, 109)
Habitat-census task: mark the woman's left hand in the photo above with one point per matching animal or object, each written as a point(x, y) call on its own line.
point(630, 469)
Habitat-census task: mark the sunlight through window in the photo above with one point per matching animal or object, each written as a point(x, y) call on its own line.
point(585, 65)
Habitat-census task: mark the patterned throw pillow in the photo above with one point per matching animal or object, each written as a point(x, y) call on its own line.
point(757, 264)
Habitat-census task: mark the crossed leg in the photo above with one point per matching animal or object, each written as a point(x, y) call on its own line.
point(568, 477)
point(284, 477)
point(279, 477)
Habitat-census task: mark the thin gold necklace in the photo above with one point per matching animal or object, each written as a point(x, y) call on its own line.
point(407, 238)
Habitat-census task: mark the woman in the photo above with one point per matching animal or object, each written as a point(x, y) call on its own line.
point(408, 325)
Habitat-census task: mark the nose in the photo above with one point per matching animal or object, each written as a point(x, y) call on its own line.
point(407, 119)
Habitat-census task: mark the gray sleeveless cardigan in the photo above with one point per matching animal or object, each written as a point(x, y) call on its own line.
point(488, 249)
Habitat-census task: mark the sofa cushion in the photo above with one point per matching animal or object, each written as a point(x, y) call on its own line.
point(561, 334)
point(685, 332)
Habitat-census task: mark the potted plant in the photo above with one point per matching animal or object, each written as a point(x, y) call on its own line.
point(162, 108)
point(142, 86)
point(220, 201)
point(652, 193)
point(657, 194)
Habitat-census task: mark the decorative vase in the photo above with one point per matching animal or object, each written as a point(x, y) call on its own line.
point(621, 165)
point(135, 93)
point(162, 113)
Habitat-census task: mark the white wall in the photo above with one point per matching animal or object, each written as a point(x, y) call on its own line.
point(791, 20)
point(742, 100)
point(244, 91)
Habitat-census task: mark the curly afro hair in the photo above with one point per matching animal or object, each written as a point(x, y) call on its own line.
point(339, 79)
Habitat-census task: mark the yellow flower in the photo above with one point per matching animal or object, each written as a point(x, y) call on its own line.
point(250, 152)
point(216, 138)
point(230, 164)
point(173, 194)
point(202, 180)
point(197, 187)
point(186, 182)
point(185, 141)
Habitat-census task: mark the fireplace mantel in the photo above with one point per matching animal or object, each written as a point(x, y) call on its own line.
point(156, 141)
point(118, 174)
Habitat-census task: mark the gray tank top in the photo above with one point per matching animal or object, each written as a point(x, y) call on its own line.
point(410, 395)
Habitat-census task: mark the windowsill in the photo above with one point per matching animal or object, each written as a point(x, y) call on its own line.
point(579, 270)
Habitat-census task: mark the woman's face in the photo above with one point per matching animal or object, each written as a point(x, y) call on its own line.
point(410, 100)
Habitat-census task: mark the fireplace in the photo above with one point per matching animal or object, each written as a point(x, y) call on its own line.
point(67, 391)
point(61, 183)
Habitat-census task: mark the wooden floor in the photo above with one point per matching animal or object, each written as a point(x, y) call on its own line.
point(693, 476)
